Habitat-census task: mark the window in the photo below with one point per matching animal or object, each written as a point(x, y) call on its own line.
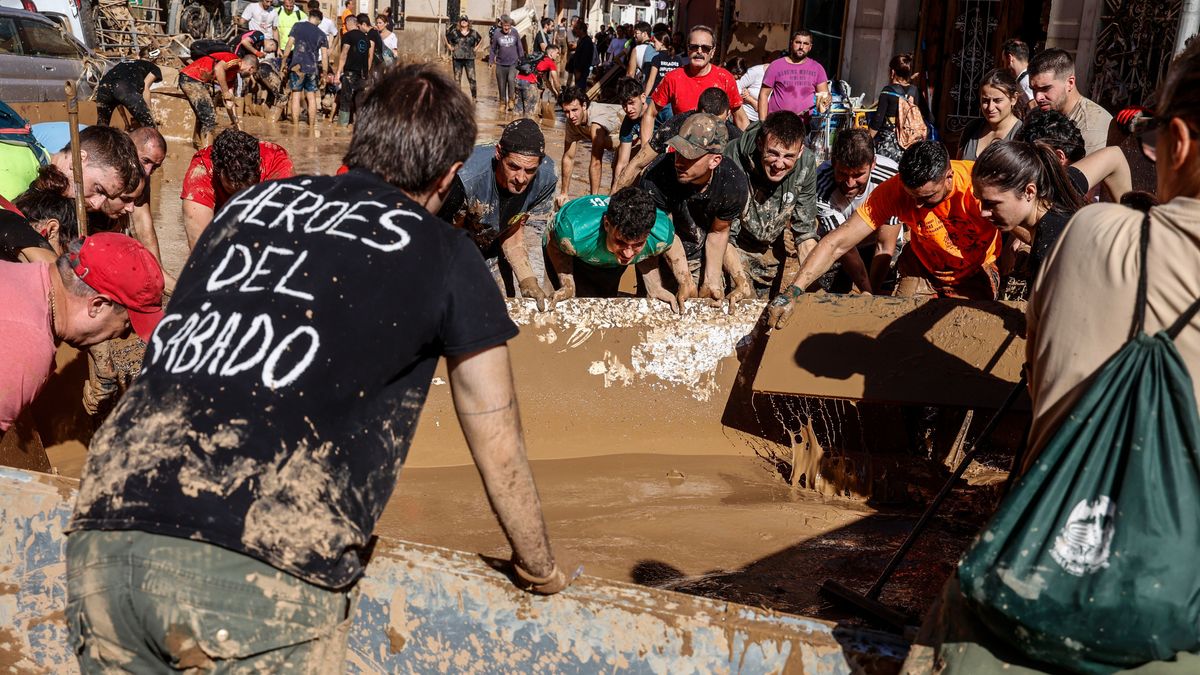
point(8, 37)
point(42, 39)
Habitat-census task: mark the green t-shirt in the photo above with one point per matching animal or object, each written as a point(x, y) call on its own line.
point(18, 168)
point(578, 232)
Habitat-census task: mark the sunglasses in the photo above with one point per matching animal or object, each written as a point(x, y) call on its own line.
point(707, 49)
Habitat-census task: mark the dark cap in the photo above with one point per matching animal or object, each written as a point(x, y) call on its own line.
point(523, 137)
point(701, 134)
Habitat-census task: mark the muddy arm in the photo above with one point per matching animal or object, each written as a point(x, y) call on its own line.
point(652, 278)
point(482, 387)
point(648, 115)
point(634, 168)
point(712, 282)
point(596, 163)
point(564, 267)
point(568, 165)
point(196, 217)
point(885, 250)
point(831, 247)
point(517, 255)
point(624, 152)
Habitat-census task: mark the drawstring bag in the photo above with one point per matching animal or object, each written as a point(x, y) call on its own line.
point(1092, 563)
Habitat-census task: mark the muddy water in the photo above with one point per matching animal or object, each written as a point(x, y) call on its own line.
point(723, 526)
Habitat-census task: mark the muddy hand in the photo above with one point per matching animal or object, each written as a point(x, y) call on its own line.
point(714, 293)
point(739, 293)
point(664, 295)
point(781, 307)
point(686, 293)
point(566, 292)
point(560, 199)
point(550, 584)
point(531, 289)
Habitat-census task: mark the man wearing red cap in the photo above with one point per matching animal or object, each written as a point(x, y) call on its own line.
point(94, 292)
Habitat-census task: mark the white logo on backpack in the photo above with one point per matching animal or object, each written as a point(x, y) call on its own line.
point(1083, 545)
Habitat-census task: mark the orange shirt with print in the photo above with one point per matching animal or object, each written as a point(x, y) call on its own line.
point(952, 240)
point(342, 20)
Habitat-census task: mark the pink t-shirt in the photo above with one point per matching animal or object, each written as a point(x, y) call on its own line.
point(26, 335)
point(793, 84)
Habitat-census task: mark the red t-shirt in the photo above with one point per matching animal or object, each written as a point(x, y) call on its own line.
point(545, 65)
point(198, 184)
point(202, 68)
point(682, 91)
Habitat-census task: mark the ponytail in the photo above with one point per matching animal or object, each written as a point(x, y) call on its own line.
point(1011, 165)
point(51, 179)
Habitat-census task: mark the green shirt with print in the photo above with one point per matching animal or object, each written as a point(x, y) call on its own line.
point(578, 232)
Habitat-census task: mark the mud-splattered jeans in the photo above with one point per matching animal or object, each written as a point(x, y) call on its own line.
point(139, 602)
point(200, 96)
point(465, 66)
point(527, 98)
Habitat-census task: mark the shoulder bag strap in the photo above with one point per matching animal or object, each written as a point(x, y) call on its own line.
point(1139, 310)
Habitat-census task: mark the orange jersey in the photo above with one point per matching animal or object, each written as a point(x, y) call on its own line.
point(952, 240)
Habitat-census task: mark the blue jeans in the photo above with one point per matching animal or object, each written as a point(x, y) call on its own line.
point(139, 602)
point(306, 82)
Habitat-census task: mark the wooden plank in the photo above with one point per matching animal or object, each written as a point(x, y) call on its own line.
point(897, 350)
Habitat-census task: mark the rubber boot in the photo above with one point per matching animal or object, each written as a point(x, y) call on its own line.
point(343, 118)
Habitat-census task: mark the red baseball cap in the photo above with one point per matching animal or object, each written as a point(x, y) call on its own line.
point(121, 268)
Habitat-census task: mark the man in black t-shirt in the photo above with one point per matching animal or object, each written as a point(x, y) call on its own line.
point(355, 60)
point(226, 510)
point(127, 84)
point(703, 195)
point(463, 43)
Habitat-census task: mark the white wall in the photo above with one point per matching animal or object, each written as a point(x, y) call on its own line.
point(1073, 27)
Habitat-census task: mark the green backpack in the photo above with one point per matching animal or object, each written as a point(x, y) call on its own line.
point(1092, 563)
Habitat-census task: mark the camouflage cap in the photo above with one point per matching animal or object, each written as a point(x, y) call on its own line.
point(700, 135)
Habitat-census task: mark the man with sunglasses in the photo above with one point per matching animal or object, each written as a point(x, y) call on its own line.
point(681, 88)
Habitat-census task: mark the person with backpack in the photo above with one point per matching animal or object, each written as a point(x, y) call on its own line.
point(505, 51)
point(533, 70)
point(953, 248)
point(286, 17)
point(895, 124)
point(1089, 563)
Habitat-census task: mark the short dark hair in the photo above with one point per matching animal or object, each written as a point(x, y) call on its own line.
point(784, 126)
point(573, 93)
point(803, 32)
point(39, 204)
point(736, 66)
point(631, 212)
point(112, 148)
point(547, 21)
point(149, 135)
point(713, 101)
point(642, 27)
point(1016, 49)
point(236, 158)
point(924, 162)
point(853, 148)
point(364, 18)
point(1055, 129)
point(316, 14)
point(414, 124)
point(1057, 61)
point(627, 88)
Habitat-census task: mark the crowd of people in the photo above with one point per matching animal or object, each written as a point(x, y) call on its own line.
point(716, 192)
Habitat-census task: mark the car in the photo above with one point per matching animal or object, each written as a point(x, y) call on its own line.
point(37, 57)
point(66, 13)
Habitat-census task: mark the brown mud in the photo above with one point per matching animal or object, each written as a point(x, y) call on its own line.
point(675, 499)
